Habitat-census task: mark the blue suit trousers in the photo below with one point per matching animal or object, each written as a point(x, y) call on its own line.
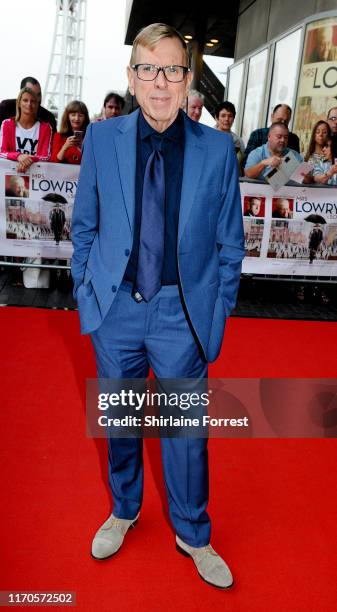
point(132, 338)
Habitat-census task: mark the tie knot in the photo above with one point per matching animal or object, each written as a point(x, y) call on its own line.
point(157, 142)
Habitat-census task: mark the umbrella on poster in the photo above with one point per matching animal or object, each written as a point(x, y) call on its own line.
point(314, 218)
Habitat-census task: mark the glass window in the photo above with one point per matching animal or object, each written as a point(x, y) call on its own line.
point(284, 71)
point(318, 79)
point(235, 88)
point(254, 94)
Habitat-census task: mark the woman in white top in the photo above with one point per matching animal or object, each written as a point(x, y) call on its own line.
point(23, 138)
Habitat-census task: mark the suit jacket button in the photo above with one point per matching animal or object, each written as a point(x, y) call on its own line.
point(127, 252)
point(113, 288)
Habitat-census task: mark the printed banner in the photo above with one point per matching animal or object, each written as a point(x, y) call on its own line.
point(292, 232)
point(36, 210)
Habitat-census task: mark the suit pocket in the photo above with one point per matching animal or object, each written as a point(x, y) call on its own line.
point(217, 330)
point(88, 307)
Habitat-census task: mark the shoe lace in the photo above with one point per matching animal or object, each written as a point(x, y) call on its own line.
point(205, 550)
point(113, 522)
point(210, 550)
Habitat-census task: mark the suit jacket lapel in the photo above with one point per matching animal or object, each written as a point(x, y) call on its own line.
point(194, 156)
point(126, 146)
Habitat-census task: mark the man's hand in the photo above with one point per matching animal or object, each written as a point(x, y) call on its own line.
point(25, 161)
point(255, 171)
point(273, 161)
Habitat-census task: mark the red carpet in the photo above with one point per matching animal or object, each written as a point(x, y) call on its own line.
point(273, 502)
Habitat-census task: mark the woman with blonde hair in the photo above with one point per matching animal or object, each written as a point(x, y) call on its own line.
point(67, 142)
point(24, 138)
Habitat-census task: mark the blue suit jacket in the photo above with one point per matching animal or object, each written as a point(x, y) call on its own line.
point(210, 233)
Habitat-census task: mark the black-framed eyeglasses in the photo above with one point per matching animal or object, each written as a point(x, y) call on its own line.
point(149, 72)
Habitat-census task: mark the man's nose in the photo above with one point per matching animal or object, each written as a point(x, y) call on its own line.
point(160, 80)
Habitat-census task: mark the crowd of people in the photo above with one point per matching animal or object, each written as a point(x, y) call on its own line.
point(28, 130)
point(28, 134)
point(267, 146)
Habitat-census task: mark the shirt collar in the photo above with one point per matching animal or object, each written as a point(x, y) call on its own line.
point(174, 132)
point(268, 152)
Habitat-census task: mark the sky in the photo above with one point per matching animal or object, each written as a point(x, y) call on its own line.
point(26, 41)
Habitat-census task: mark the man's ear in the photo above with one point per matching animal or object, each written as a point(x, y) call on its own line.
point(189, 78)
point(131, 79)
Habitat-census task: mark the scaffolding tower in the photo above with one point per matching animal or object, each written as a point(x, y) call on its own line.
point(65, 71)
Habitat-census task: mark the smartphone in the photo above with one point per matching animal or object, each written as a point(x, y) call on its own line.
point(78, 135)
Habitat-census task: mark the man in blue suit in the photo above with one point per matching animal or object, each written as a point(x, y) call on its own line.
point(158, 243)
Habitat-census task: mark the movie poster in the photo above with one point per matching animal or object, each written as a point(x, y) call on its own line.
point(317, 89)
point(36, 210)
point(292, 232)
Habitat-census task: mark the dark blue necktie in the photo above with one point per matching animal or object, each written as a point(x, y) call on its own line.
point(151, 242)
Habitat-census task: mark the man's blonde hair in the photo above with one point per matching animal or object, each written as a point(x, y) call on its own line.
point(150, 35)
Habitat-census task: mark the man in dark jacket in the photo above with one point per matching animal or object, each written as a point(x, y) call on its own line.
point(8, 107)
point(57, 221)
point(315, 239)
point(57, 216)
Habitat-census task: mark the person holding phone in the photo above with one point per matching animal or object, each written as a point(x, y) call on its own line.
point(67, 142)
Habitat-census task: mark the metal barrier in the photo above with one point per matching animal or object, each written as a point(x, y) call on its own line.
point(22, 264)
